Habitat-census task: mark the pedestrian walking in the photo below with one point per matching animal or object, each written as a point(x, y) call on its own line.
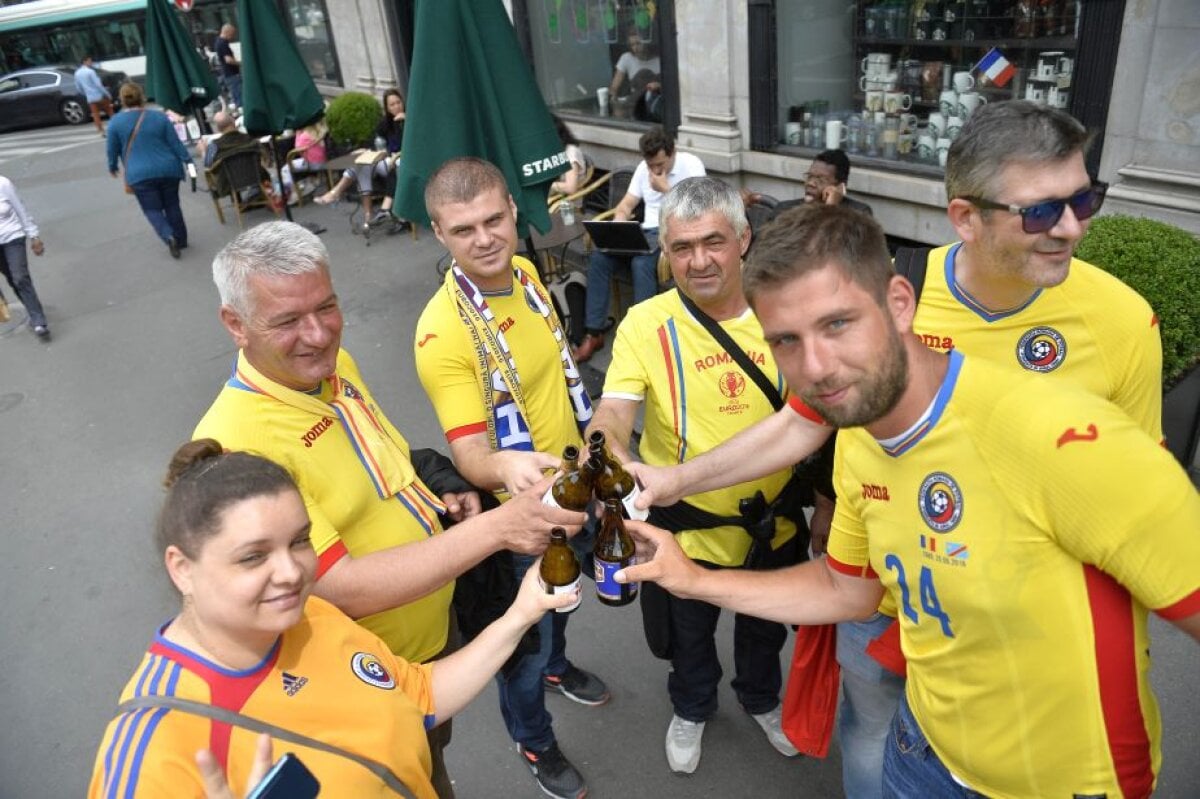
point(17, 227)
point(145, 141)
point(93, 89)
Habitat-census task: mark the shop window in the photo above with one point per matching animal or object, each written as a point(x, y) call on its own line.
point(602, 58)
point(893, 81)
point(310, 23)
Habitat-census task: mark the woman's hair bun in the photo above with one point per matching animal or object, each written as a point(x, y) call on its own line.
point(189, 456)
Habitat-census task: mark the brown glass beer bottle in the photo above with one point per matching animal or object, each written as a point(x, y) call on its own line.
point(613, 551)
point(615, 481)
point(573, 488)
point(560, 573)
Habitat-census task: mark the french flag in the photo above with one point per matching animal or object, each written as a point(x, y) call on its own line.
point(995, 67)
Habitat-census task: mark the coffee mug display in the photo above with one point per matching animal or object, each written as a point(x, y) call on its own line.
point(937, 124)
point(963, 81)
point(943, 150)
point(954, 127)
point(926, 147)
point(1035, 92)
point(793, 131)
point(1058, 98)
point(1065, 67)
point(968, 102)
point(874, 100)
point(1047, 64)
point(875, 63)
point(948, 102)
point(895, 102)
point(835, 134)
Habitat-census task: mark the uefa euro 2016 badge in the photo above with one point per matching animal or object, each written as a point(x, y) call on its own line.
point(368, 669)
point(1041, 349)
point(940, 502)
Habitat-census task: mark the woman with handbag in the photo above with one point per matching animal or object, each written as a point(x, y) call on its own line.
point(252, 652)
point(146, 142)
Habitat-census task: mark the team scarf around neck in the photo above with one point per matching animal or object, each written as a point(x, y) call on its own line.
point(386, 464)
point(503, 396)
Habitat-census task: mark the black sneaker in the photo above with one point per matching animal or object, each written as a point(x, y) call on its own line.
point(41, 331)
point(577, 685)
point(554, 773)
point(173, 246)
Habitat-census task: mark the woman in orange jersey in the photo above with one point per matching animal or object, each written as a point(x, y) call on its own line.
point(252, 650)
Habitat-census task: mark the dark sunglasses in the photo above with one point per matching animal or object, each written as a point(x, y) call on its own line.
point(1040, 217)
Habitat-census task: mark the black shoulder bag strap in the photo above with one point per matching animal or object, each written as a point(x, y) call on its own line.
point(247, 722)
point(911, 263)
point(737, 353)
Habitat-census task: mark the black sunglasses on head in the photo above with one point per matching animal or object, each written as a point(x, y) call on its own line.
point(1040, 217)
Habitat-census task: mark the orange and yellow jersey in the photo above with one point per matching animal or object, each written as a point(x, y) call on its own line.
point(696, 396)
point(348, 517)
point(325, 678)
point(1023, 529)
point(448, 365)
point(1091, 331)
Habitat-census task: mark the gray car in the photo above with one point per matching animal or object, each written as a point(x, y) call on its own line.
point(47, 96)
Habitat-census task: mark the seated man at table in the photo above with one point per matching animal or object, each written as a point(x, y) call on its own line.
point(660, 169)
point(227, 141)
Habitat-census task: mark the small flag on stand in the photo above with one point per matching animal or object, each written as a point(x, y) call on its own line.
point(995, 67)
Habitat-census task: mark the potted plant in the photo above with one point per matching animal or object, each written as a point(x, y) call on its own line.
point(352, 119)
point(1162, 263)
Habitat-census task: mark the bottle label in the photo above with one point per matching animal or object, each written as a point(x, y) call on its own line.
point(628, 500)
point(574, 587)
point(548, 498)
point(606, 586)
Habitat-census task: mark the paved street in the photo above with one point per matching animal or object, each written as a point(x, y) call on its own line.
point(88, 420)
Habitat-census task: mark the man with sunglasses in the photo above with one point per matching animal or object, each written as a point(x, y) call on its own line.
point(1019, 198)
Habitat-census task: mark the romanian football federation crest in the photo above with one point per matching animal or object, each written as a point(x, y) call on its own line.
point(1041, 349)
point(940, 502)
point(367, 668)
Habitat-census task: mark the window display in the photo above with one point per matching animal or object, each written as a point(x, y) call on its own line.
point(897, 79)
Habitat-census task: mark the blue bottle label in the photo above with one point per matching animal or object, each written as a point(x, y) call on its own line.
point(606, 586)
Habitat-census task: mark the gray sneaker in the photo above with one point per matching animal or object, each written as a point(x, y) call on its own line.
point(554, 773)
point(683, 744)
point(772, 724)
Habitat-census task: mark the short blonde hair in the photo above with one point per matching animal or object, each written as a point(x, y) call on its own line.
point(131, 95)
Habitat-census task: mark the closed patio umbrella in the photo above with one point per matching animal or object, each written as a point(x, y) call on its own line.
point(176, 76)
point(471, 92)
point(278, 94)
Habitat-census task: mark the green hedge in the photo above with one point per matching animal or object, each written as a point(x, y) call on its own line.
point(352, 119)
point(1162, 263)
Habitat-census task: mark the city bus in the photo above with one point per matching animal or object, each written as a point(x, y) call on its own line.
point(54, 32)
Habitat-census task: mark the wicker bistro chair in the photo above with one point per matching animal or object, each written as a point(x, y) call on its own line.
point(237, 176)
point(320, 171)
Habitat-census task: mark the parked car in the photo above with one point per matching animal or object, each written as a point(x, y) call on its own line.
point(48, 95)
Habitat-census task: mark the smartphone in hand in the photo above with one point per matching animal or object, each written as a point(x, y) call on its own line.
point(288, 779)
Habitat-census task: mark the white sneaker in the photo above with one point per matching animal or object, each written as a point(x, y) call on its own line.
point(772, 724)
point(683, 744)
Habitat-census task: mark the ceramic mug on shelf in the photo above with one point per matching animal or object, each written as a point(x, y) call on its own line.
point(948, 102)
point(943, 150)
point(1066, 66)
point(1035, 92)
point(1047, 64)
point(793, 131)
point(963, 81)
point(895, 102)
point(875, 63)
point(874, 100)
point(926, 147)
point(954, 127)
point(835, 134)
point(937, 124)
point(908, 122)
point(1058, 98)
point(968, 102)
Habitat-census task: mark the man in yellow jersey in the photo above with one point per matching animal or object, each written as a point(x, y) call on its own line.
point(497, 367)
point(1022, 529)
point(1020, 197)
point(377, 508)
point(695, 395)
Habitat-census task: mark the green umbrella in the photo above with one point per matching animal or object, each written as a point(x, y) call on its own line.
point(277, 91)
point(471, 92)
point(176, 76)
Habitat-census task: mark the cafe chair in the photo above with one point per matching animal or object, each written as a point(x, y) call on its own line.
point(237, 176)
point(320, 171)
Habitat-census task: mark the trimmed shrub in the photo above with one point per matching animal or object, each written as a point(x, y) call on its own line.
point(352, 119)
point(1162, 263)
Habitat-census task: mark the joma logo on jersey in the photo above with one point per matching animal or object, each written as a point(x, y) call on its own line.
point(725, 359)
point(506, 324)
point(936, 342)
point(875, 492)
point(316, 430)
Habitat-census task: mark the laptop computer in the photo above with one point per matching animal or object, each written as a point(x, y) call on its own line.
point(618, 238)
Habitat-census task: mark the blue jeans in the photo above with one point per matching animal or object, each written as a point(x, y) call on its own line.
point(912, 768)
point(234, 84)
point(599, 280)
point(870, 696)
point(14, 263)
point(159, 199)
point(522, 694)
